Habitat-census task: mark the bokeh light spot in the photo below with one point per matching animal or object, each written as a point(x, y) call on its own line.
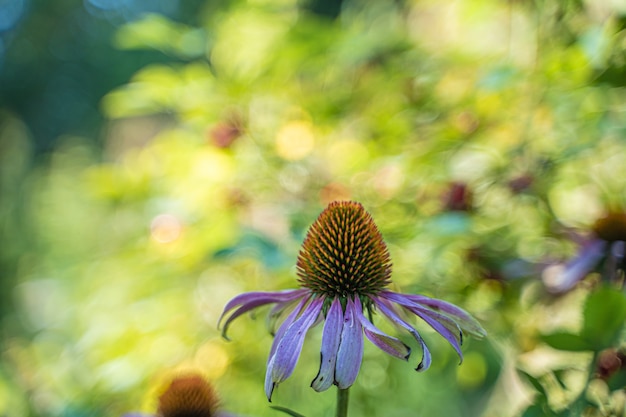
point(165, 228)
point(212, 359)
point(295, 141)
point(10, 13)
point(473, 371)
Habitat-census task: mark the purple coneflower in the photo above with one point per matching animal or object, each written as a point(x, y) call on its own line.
point(604, 250)
point(187, 396)
point(344, 270)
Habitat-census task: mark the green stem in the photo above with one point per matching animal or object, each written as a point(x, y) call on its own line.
point(577, 405)
point(342, 402)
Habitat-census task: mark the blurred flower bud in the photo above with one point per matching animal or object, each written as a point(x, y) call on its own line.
point(466, 122)
point(224, 133)
point(521, 183)
point(458, 197)
point(610, 361)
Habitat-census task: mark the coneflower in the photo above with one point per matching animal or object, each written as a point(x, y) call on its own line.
point(604, 251)
point(344, 270)
point(188, 396)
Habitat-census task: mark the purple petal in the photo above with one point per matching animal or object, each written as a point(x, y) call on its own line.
point(386, 308)
point(273, 317)
point(350, 353)
point(468, 323)
point(330, 345)
point(285, 325)
point(269, 384)
point(252, 300)
point(386, 343)
point(442, 324)
point(283, 361)
point(576, 269)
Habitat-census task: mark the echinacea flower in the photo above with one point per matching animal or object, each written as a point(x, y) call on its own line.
point(604, 250)
point(188, 396)
point(344, 270)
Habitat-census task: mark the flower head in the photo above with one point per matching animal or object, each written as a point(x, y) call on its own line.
point(188, 396)
point(344, 254)
point(606, 247)
point(344, 270)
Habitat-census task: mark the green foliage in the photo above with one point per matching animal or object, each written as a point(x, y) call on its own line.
point(567, 341)
point(604, 314)
point(286, 411)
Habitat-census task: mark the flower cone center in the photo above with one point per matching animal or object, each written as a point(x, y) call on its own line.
point(611, 227)
point(344, 253)
point(188, 396)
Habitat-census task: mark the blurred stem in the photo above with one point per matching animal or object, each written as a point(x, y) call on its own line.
point(577, 405)
point(342, 402)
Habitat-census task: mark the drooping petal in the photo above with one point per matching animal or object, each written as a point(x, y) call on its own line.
point(330, 345)
point(269, 384)
point(387, 344)
point(251, 300)
point(285, 325)
point(561, 278)
point(615, 260)
point(386, 308)
point(442, 324)
point(350, 352)
point(468, 323)
point(283, 361)
point(273, 317)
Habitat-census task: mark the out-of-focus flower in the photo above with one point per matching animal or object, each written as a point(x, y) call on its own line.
point(521, 183)
point(187, 396)
point(224, 133)
point(604, 250)
point(344, 270)
point(458, 197)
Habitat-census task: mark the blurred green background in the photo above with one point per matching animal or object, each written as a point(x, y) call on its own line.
point(158, 157)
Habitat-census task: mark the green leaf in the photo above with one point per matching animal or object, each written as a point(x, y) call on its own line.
point(537, 385)
point(534, 410)
point(604, 314)
point(286, 411)
point(567, 341)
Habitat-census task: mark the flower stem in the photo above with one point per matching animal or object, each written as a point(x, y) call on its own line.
point(342, 402)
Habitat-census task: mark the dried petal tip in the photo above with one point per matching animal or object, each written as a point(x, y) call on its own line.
point(611, 227)
point(344, 253)
point(189, 396)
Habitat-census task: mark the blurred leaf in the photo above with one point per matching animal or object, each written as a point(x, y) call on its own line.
point(498, 78)
point(286, 411)
point(604, 314)
point(536, 384)
point(559, 374)
point(536, 410)
point(154, 31)
point(567, 341)
point(253, 244)
point(449, 224)
point(617, 381)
